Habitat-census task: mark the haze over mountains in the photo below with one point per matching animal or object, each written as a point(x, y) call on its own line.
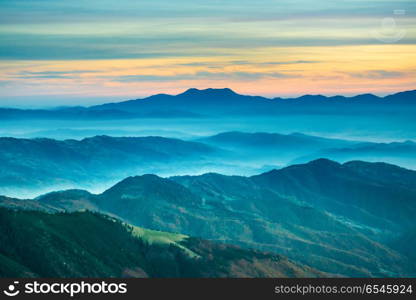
point(41, 163)
point(339, 219)
point(195, 103)
point(324, 185)
point(34, 166)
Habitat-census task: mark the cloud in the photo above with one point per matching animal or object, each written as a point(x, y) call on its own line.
point(225, 40)
point(68, 74)
point(240, 76)
point(73, 52)
point(36, 73)
point(378, 74)
point(46, 77)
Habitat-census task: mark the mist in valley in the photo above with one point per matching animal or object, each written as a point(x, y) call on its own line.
point(381, 127)
point(228, 159)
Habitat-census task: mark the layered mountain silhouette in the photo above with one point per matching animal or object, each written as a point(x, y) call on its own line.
point(342, 219)
point(195, 103)
point(34, 166)
point(46, 162)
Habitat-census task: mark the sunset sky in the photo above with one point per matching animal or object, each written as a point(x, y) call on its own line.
point(83, 52)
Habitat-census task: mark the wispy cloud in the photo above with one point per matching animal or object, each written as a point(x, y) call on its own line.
point(246, 63)
point(68, 74)
point(204, 76)
point(307, 46)
point(379, 74)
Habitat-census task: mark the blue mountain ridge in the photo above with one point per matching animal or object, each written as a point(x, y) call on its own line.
point(196, 103)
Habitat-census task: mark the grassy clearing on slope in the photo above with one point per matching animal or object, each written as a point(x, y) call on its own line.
point(162, 238)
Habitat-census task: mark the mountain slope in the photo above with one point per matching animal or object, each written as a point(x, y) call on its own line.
point(36, 244)
point(336, 218)
point(271, 147)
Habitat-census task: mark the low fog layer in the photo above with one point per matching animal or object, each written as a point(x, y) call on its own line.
point(35, 166)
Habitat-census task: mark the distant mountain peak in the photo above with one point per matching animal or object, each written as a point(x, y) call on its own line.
point(324, 162)
point(209, 92)
point(139, 180)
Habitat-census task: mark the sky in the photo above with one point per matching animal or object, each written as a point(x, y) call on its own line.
point(84, 52)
